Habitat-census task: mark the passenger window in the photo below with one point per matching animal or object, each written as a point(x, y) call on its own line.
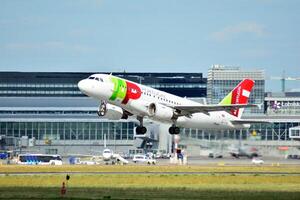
point(97, 79)
point(101, 79)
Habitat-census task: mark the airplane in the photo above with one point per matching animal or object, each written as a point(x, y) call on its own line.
point(120, 98)
point(107, 156)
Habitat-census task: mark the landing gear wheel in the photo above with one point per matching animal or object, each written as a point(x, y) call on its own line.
point(140, 130)
point(102, 109)
point(144, 130)
point(174, 130)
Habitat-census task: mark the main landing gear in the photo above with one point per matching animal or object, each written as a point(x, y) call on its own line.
point(140, 130)
point(174, 130)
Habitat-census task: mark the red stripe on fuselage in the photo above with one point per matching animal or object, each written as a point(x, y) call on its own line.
point(133, 92)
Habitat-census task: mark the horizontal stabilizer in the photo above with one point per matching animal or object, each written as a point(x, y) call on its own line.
point(210, 108)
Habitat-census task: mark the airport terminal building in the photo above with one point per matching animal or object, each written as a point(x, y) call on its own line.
point(45, 112)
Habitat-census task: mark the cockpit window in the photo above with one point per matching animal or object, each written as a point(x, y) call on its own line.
point(96, 78)
point(99, 79)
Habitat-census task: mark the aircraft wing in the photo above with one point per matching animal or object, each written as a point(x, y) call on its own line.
point(241, 121)
point(188, 110)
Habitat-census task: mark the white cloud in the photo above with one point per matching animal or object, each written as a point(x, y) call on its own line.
point(231, 31)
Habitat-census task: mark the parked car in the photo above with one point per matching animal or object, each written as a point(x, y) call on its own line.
point(215, 155)
point(293, 156)
point(257, 161)
point(143, 158)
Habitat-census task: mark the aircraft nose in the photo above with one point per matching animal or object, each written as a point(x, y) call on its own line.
point(83, 86)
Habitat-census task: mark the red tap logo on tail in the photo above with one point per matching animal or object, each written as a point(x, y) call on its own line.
point(239, 95)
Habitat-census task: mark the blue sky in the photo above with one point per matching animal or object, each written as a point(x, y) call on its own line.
point(150, 36)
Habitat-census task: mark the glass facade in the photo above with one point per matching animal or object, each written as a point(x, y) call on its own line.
point(278, 131)
point(69, 130)
point(58, 84)
point(39, 90)
point(275, 131)
point(28, 84)
point(294, 132)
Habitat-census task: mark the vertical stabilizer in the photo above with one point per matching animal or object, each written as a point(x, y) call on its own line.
point(239, 95)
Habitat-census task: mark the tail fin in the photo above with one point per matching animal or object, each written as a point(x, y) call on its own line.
point(239, 95)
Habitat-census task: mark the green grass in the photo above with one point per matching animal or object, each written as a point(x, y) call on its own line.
point(142, 193)
point(151, 186)
point(141, 168)
point(236, 182)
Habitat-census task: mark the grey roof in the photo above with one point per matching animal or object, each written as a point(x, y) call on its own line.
point(282, 98)
point(58, 119)
point(48, 102)
point(275, 118)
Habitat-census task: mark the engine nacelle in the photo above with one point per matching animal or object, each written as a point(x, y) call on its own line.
point(138, 108)
point(111, 112)
point(160, 112)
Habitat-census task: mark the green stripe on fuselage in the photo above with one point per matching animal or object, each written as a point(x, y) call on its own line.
point(120, 89)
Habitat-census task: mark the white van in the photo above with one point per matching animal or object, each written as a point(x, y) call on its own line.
point(143, 158)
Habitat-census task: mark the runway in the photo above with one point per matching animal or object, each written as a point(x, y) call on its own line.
point(151, 173)
point(195, 166)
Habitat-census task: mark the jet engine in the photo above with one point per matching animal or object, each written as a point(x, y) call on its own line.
point(160, 112)
point(111, 112)
point(139, 108)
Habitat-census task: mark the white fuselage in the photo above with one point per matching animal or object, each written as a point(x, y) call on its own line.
point(104, 89)
point(107, 154)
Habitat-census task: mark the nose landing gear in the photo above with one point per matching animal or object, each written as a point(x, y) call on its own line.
point(140, 130)
point(102, 109)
